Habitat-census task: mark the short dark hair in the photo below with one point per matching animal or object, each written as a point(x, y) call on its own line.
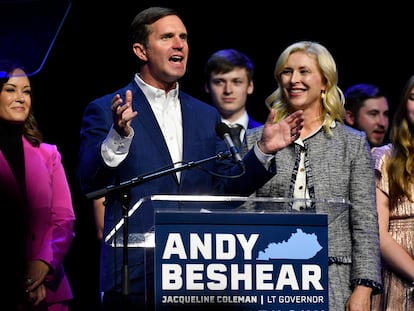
point(226, 60)
point(140, 26)
point(356, 94)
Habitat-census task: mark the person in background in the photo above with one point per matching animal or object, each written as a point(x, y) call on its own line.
point(229, 82)
point(151, 125)
point(367, 110)
point(36, 199)
point(99, 216)
point(394, 168)
point(329, 160)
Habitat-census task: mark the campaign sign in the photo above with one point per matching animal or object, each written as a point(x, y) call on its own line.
point(241, 261)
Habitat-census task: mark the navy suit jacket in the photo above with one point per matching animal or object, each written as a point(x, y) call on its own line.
point(149, 153)
point(253, 123)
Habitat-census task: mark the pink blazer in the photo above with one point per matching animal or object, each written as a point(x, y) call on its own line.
point(51, 211)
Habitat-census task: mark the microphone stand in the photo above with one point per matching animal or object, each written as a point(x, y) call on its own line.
point(125, 199)
point(153, 175)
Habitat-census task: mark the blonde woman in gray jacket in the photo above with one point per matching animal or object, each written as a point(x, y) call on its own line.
point(329, 160)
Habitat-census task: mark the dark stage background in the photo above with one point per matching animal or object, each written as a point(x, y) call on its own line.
point(90, 57)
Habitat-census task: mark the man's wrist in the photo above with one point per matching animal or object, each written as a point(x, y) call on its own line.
point(260, 146)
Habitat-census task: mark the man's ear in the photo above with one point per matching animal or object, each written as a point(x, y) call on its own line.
point(250, 88)
point(140, 51)
point(349, 118)
point(207, 88)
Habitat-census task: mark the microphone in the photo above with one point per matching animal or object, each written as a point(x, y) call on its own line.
point(224, 132)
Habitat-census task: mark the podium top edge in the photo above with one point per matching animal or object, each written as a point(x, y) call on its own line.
point(222, 198)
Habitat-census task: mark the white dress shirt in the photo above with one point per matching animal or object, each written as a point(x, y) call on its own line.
point(167, 111)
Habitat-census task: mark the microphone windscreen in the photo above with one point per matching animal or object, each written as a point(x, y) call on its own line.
point(221, 129)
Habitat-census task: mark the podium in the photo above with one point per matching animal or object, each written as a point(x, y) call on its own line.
point(234, 253)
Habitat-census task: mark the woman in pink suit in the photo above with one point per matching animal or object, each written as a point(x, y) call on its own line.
point(35, 199)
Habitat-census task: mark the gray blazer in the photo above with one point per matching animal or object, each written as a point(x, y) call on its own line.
point(338, 167)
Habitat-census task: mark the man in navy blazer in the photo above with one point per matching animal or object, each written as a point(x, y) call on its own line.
point(150, 125)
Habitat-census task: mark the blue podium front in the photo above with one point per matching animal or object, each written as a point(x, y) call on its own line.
point(248, 259)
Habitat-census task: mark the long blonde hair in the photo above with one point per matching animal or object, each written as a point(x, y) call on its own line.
point(332, 99)
point(401, 162)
